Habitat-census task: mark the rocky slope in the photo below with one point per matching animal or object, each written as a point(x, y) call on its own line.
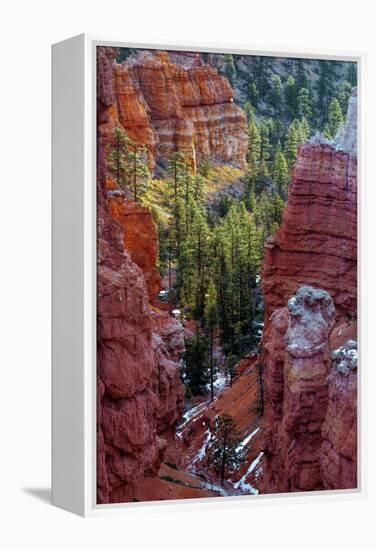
point(171, 101)
point(139, 393)
point(309, 428)
point(193, 443)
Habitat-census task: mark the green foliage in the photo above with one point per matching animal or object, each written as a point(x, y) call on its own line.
point(230, 367)
point(236, 245)
point(253, 93)
point(304, 104)
point(352, 73)
point(325, 87)
point(249, 111)
point(126, 162)
point(291, 97)
point(280, 174)
point(211, 322)
point(270, 211)
point(264, 141)
point(343, 96)
point(205, 166)
point(230, 70)
point(276, 94)
point(301, 78)
point(291, 144)
point(195, 361)
point(335, 117)
point(224, 454)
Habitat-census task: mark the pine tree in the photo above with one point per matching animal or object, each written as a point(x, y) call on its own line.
point(335, 117)
point(291, 99)
point(276, 95)
point(325, 87)
point(253, 155)
point(280, 172)
point(230, 70)
point(194, 259)
point(253, 93)
point(264, 141)
point(211, 320)
point(177, 170)
point(300, 74)
point(126, 162)
point(195, 363)
point(352, 73)
point(199, 188)
point(254, 142)
point(304, 129)
point(249, 111)
point(326, 131)
point(205, 167)
point(117, 157)
point(225, 451)
point(343, 96)
point(291, 144)
point(137, 172)
point(304, 104)
point(230, 368)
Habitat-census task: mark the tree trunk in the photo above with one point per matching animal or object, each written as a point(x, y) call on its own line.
point(211, 365)
point(223, 465)
point(169, 278)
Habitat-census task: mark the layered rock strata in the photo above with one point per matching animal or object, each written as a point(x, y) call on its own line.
point(168, 101)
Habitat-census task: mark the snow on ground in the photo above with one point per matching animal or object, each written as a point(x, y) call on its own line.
point(202, 450)
point(189, 415)
point(247, 487)
point(245, 441)
point(219, 383)
point(216, 488)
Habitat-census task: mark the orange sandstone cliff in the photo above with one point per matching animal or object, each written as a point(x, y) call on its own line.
point(170, 101)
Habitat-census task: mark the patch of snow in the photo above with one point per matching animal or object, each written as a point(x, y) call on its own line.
point(319, 139)
point(245, 441)
point(241, 484)
point(189, 415)
point(345, 358)
point(220, 382)
point(202, 450)
point(216, 488)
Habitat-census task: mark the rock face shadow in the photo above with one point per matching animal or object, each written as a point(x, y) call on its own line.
point(41, 493)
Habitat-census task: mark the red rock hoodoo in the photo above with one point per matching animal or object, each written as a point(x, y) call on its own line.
point(310, 376)
point(168, 101)
point(139, 393)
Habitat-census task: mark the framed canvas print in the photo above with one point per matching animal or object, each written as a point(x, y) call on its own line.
point(205, 281)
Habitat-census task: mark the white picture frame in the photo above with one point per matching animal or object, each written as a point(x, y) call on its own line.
point(74, 278)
